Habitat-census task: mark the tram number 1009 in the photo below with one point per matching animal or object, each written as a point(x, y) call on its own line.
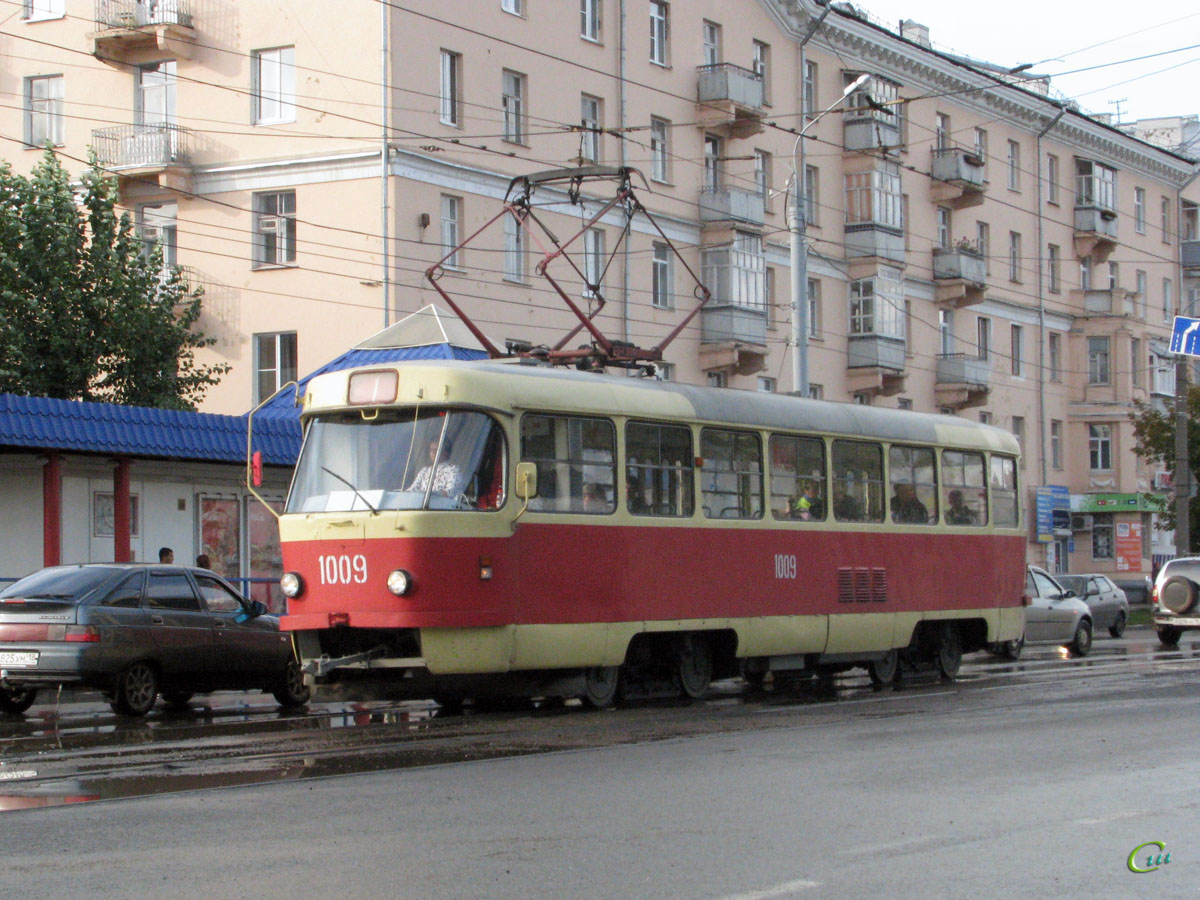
point(343, 569)
point(785, 565)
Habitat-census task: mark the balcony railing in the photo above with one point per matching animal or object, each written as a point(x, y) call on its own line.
point(1110, 301)
point(137, 13)
point(732, 204)
point(867, 239)
point(725, 81)
point(1096, 220)
point(875, 351)
point(961, 369)
point(156, 146)
point(951, 263)
point(956, 164)
point(727, 322)
point(1191, 254)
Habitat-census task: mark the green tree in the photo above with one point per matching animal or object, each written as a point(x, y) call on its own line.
point(85, 313)
point(1154, 436)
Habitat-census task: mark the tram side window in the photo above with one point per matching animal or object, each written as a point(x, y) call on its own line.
point(731, 478)
point(914, 485)
point(857, 481)
point(576, 463)
point(964, 492)
point(1004, 491)
point(659, 466)
point(797, 477)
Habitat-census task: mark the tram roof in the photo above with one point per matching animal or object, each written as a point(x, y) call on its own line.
point(511, 384)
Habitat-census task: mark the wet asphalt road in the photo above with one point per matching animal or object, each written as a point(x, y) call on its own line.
point(1035, 779)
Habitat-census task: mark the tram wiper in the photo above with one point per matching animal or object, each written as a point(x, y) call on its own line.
point(357, 492)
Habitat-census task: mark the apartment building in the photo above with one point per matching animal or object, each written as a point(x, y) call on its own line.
point(972, 246)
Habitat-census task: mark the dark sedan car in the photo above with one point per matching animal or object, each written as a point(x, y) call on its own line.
point(135, 630)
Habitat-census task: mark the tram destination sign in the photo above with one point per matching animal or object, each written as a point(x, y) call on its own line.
point(1185, 336)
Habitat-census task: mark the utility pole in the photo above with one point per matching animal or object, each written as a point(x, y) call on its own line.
point(1182, 481)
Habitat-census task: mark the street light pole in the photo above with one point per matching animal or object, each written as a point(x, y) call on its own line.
point(797, 225)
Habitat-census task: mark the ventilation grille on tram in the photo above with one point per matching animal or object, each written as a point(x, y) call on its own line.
point(862, 584)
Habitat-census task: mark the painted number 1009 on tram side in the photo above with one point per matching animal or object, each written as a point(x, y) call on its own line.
point(467, 528)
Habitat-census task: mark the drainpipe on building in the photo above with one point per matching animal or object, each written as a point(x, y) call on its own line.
point(384, 160)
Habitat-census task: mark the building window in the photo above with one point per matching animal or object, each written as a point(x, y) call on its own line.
point(944, 229)
point(810, 88)
point(766, 385)
point(875, 198)
point(1166, 220)
point(1052, 179)
point(985, 418)
point(983, 237)
point(712, 163)
point(44, 110)
point(814, 308)
point(665, 370)
point(772, 308)
point(274, 86)
point(1102, 536)
point(812, 197)
point(1055, 360)
point(591, 120)
point(762, 176)
point(735, 273)
point(877, 305)
point(941, 131)
point(451, 90)
point(1053, 255)
point(1168, 300)
point(711, 37)
point(514, 249)
point(157, 229)
point(1114, 275)
point(154, 103)
point(451, 230)
point(660, 32)
point(761, 64)
point(717, 379)
point(945, 331)
point(1095, 185)
point(1085, 273)
point(904, 403)
point(1056, 444)
point(1014, 166)
point(1139, 210)
point(1098, 370)
point(662, 290)
point(660, 158)
point(40, 10)
point(816, 391)
point(589, 20)
point(1018, 430)
point(593, 261)
point(1135, 361)
point(983, 337)
point(512, 101)
point(1142, 300)
point(1018, 339)
point(274, 363)
point(275, 229)
point(1014, 256)
point(516, 7)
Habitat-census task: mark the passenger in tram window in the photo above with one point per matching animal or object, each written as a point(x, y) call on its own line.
point(845, 507)
point(633, 490)
point(446, 476)
point(907, 507)
point(958, 513)
point(594, 500)
point(807, 505)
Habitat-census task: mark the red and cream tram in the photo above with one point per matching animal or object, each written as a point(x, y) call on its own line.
point(452, 522)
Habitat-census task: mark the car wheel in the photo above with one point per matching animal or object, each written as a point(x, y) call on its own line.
point(1081, 644)
point(291, 690)
point(1168, 635)
point(17, 699)
point(1117, 628)
point(177, 699)
point(137, 689)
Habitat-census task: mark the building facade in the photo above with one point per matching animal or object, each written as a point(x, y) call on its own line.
point(973, 246)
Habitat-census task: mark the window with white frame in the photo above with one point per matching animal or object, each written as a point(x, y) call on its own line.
point(1098, 360)
point(662, 281)
point(452, 230)
point(1014, 256)
point(1166, 220)
point(762, 176)
point(1141, 286)
point(1168, 295)
point(274, 87)
point(512, 101)
point(1014, 166)
point(945, 331)
point(1103, 546)
point(1095, 185)
point(44, 110)
point(983, 240)
point(1052, 176)
point(877, 98)
point(1053, 267)
point(1018, 430)
point(983, 337)
point(1085, 273)
point(1189, 221)
point(1018, 350)
point(1163, 370)
point(1056, 444)
point(944, 229)
point(665, 371)
point(593, 261)
point(812, 195)
point(766, 385)
point(157, 228)
point(589, 20)
point(717, 379)
point(1135, 361)
point(981, 145)
point(941, 131)
point(816, 391)
point(760, 63)
point(516, 7)
point(514, 249)
point(877, 305)
point(736, 273)
point(1139, 210)
point(154, 102)
point(660, 155)
point(712, 163)
point(810, 88)
point(275, 228)
point(711, 43)
point(814, 308)
point(274, 363)
point(40, 10)
point(875, 198)
point(591, 120)
point(451, 88)
point(1100, 447)
point(660, 32)
point(985, 418)
point(1054, 356)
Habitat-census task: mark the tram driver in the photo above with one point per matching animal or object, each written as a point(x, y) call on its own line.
point(446, 476)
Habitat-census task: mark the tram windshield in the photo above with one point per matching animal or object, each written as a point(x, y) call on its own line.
point(400, 459)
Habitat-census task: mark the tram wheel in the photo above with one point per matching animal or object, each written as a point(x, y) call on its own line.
point(600, 686)
point(949, 652)
point(885, 670)
point(695, 666)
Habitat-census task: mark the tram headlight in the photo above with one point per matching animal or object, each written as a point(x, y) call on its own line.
point(291, 584)
point(399, 582)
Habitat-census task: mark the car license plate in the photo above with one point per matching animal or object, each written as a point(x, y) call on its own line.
point(1177, 621)
point(10, 660)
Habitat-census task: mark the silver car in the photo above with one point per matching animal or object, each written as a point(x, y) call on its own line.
point(1176, 599)
point(133, 631)
point(1055, 615)
point(1108, 603)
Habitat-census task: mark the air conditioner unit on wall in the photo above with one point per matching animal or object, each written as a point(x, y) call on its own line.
point(1081, 522)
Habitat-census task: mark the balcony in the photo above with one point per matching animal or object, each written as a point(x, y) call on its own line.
point(962, 381)
point(1107, 302)
point(1095, 232)
point(729, 100)
point(957, 178)
point(875, 364)
point(732, 205)
point(872, 239)
point(1190, 253)
point(159, 152)
point(960, 276)
point(870, 130)
point(136, 30)
point(733, 339)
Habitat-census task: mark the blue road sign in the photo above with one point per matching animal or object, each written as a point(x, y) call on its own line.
point(1185, 336)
